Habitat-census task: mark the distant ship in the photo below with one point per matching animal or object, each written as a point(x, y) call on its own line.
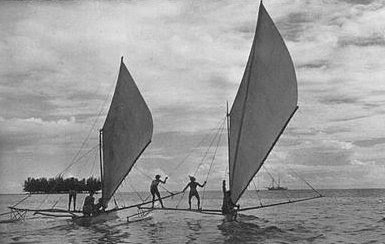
point(276, 186)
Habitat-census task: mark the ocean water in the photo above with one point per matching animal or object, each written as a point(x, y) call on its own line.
point(342, 216)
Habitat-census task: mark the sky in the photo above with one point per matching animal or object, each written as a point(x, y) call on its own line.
point(59, 62)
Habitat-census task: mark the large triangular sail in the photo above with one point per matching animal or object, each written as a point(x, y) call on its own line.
point(126, 132)
point(265, 102)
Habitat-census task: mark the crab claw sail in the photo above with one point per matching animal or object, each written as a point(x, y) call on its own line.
point(266, 100)
point(126, 132)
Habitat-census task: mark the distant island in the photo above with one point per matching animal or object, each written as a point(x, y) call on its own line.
point(60, 185)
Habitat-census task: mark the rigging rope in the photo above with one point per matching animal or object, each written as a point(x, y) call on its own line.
point(284, 192)
point(137, 193)
point(197, 146)
point(227, 168)
point(256, 192)
point(74, 159)
point(307, 183)
point(22, 200)
point(271, 176)
point(85, 154)
point(219, 131)
point(93, 164)
point(56, 202)
point(211, 143)
point(140, 171)
point(212, 163)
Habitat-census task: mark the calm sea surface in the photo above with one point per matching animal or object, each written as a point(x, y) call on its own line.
point(342, 216)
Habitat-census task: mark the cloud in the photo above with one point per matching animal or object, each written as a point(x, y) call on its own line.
point(374, 40)
point(338, 100)
point(369, 142)
point(60, 62)
point(327, 153)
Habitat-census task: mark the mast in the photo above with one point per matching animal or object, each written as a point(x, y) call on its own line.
point(101, 156)
point(228, 133)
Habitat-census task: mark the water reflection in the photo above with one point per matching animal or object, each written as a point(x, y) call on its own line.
point(194, 230)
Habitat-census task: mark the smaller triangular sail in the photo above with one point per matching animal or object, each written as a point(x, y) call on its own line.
point(126, 132)
point(265, 102)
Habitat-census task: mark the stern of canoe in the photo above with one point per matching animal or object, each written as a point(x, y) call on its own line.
point(96, 219)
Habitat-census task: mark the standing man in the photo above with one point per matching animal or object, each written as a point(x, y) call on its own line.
point(154, 189)
point(71, 195)
point(193, 190)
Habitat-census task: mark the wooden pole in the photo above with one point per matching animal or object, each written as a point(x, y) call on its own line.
point(228, 133)
point(101, 156)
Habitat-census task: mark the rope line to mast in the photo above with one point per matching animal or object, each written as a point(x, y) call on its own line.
point(93, 164)
point(256, 192)
point(212, 162)
point(101, 108)
point(136, 192)
point(220, 128)
point(22, 200)
point(284, 192)
point(77, 160)
point(219, 131)
point(307, 183)
point(141, 171)
point(197, 146)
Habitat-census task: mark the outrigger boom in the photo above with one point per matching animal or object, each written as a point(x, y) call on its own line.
point(143, 203)
point(201, 211)
point(279, 203)
point(219, 212)
point(74, 213)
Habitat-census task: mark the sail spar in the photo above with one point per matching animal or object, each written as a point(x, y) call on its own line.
point(265, 102)
point(126, 132)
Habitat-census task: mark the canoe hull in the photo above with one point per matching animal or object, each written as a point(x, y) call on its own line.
point(90, 220)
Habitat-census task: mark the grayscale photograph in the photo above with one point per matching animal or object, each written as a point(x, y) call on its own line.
point(192, 121)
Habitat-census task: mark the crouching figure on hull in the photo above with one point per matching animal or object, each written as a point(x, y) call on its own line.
point(100, 207)
point(227, 205)
point(88, 205)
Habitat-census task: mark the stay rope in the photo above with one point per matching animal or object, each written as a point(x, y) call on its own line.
point(212, 162)
point(211, 144)
point(77, 160)
point(284, 192)
point(22, 200)
point(141, 171)
point(218, 132)
point(136, 192)
point(256, 192)
point(214, 129)
point(306, 182)
point(101, 109)
point(301, 178)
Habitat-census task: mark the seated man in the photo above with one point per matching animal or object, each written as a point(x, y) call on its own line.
point(99, 207)
point(88, 206)
point(228, 205)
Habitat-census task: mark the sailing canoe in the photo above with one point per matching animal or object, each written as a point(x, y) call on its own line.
point(127, 132)
point(266, 100)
